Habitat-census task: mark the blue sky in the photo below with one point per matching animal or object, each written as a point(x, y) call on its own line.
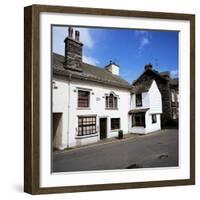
point(131, 49)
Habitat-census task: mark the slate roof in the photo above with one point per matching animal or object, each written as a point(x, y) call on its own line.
point(144, 87)
point(161, 75)
point(89, 72)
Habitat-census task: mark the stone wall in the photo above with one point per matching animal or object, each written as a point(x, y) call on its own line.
point(73, 54)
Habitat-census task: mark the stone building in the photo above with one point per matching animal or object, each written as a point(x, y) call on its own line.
point(169, 91)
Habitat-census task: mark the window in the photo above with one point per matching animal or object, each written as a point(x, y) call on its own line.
point(115, 123)
point(173, 96)
point(154, 118)
point(174, 113)
point(83, 99)
point(86, 125)
point(111, 102)
point(138, 119)
point(138, 99)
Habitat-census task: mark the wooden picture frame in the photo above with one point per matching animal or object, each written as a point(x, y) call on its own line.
point(32, 98)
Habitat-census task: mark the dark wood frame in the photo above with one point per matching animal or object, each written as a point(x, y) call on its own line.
point(32, 106)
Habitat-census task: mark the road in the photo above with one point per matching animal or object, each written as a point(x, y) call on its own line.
point(154, 150)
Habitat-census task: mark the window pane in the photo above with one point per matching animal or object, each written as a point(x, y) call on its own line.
point(115, 123)
point(138, 99)
point(86, 125)
point(139, 119)
point(111, 101)
point(154, 118)
point(83, 98)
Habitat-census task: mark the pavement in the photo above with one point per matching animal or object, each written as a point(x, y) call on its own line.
point(158, 149)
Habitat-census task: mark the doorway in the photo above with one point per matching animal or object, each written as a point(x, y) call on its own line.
point(57, 129)
point(103, 128)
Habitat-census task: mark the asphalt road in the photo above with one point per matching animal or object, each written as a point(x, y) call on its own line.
point(154, 150)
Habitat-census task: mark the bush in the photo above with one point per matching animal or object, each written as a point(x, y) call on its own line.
point(120, 134)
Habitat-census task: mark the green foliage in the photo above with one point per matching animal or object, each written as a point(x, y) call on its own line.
point(120, 134)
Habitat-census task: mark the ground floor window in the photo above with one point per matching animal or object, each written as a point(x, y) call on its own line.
point(174, 113)
point(115, 123)
point(138, 119)
point(86, 125)
point(154, 118)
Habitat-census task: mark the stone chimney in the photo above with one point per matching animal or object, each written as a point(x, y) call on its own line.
point(113, 68)
point(148, 66)
point(73, 51)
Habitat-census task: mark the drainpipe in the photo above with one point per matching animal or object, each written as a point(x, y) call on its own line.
point(69, 96)
point(128, 113)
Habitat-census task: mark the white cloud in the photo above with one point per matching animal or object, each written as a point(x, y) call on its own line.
point(85, 37)
point(144, 39)
point(60, 33)
point(174, 73)
point(90, 60)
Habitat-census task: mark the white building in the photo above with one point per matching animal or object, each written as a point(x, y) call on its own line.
point(146, 108)
point(92, 103)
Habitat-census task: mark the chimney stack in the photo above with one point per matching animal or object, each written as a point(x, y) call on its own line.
point(148, 66)
point(77, 35)
point(73, 51)
point(113, 68)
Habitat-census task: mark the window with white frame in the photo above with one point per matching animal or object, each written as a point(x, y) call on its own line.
point(173, 96)
point(154, 118)
point(111, 101)
point(138, 119)
point(83, 99)
point(86, 125)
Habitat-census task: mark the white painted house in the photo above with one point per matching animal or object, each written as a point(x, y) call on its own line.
point(146, 108)
point(90, 103)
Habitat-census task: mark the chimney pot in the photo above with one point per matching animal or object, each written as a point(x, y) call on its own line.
point(148, 66)
point(77, 35)
point(70, 32)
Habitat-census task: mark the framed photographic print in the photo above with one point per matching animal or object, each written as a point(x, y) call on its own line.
point(109, 99)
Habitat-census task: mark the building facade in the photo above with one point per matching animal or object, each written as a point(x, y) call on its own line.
point(169, 91)
point(146, 108)
point(90, 103)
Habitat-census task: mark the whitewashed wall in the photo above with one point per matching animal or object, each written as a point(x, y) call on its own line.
point(152, 100)
point(155, 99)
point(145, 101)
point(97, 107)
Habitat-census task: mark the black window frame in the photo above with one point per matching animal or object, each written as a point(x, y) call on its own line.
point(87, 125)
point(140, 122)
point(138, 99)
point(113, 123)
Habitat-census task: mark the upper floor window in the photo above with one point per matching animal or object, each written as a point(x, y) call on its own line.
point(111, 101)
point(83, 99)
point(173, 96)
point(138, 99)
